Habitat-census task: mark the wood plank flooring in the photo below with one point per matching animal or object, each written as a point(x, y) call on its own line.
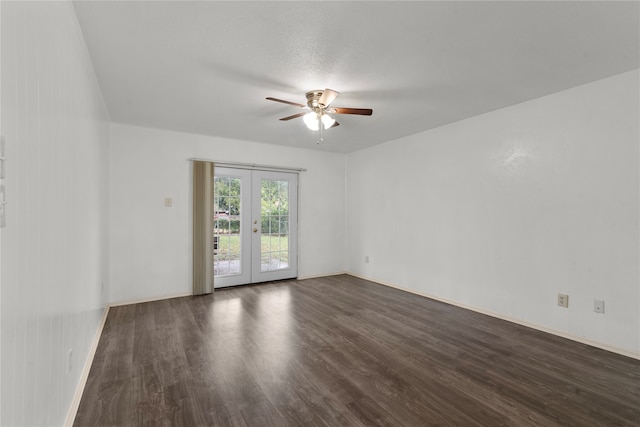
point(341, 351)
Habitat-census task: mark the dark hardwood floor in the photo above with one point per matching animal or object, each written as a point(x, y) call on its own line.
point(343, 351)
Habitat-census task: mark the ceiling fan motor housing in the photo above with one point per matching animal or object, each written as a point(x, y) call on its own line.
point(312, 99)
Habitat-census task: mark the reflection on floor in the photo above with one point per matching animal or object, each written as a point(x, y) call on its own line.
point(342, 351)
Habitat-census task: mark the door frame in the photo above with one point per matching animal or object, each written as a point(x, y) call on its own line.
point(250, 242)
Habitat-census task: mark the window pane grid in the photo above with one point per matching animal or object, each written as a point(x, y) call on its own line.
point(226, 228)
point(274, 248)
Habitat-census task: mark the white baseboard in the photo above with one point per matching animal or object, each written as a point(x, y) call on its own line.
point(632, 354)
point(87, 367)
point(140, 301)
point(316, 276)
point(75, 403)
point(188, 294)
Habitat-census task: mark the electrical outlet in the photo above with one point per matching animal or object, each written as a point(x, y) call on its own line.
point(598, 306)
point(563, 300)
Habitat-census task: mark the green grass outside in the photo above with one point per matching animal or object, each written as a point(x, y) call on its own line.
point(229, 246)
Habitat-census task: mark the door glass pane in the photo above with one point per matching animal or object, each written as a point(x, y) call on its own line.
point(274, 223)
point(226, 226)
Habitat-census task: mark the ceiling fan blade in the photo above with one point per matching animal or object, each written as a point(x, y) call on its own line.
point(327, 97)
point(286, 102)
point(294, 116)
point(360, 111)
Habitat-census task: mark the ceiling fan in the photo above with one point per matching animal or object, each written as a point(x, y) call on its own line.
point(316, 115)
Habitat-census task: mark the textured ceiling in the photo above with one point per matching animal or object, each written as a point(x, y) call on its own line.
point(207, 67)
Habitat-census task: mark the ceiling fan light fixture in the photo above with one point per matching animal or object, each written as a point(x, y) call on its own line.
point(316, 116)
point(327, 121)
point(311, 120)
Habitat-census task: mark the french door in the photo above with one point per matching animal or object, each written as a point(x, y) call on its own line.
point(255, 226)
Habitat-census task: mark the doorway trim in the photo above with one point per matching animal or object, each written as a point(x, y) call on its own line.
point(251, 166)
point(255, 168)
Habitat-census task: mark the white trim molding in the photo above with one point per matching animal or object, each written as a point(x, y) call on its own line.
point(143, 300)
point(317, 276)
point(75, 403)
point(623, 352)
point(251, 166)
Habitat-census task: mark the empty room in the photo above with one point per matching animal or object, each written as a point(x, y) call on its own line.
point(319, 213)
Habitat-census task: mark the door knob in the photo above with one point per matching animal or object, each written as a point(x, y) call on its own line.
point(255, 230)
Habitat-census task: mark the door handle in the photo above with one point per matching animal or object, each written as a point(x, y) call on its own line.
point(255, 230)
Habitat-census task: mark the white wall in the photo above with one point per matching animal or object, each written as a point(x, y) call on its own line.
point(0, 229)
point(151, 244)
point(502, 211)
point(54, 251)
